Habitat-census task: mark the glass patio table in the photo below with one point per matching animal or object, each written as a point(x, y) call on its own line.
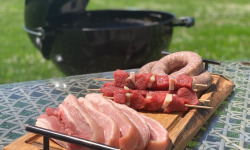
point(228, 128)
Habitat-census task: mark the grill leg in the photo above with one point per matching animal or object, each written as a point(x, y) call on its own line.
point(45, 143)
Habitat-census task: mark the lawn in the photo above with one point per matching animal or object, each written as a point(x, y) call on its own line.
point(221, 32)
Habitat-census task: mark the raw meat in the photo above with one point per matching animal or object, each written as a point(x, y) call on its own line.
point(120, 77)
point(120, 96)
point(130, 135)
point(161, 82)
point(183, 81)
point(111, 130)
point(159, 139)
point(139, 122)
point(141, 80)
point(188, 94)
point(76, 122)
point(177, 105)
point(155, 100)
point(137, 101)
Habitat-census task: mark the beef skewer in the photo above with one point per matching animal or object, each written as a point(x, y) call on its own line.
point(110, 86)
point(185, 105)
point(109, 89)
point(132, 81)
point(149, 100)
point(97, 90)
point(104, 79)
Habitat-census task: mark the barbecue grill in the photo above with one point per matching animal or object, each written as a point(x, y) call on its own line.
point(79, 41)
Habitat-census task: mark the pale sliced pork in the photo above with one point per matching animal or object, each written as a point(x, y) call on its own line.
point(111, 130)
point(51, 123)
point(159, 139)
point(139, 122)
point(79, 118)
point(54, 123)
point(130, 136)
point(76, 122)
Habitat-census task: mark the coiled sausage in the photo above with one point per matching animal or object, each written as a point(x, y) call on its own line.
point(184, 62)
point(203, 78)
point(146, 68)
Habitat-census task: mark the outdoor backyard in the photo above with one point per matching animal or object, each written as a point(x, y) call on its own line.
point(221, 32)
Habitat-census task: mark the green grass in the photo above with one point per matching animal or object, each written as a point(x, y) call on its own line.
point(221, 32)
point(19, 60)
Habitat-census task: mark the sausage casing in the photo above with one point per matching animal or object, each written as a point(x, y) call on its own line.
point(184, 62)
point(203, 78)
point(146, 68)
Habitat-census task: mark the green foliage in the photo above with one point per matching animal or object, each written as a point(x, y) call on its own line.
point(221, 32)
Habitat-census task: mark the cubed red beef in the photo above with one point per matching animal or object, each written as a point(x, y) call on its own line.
point(183, 81)
point(188, 94)
point(177, 105)
point(108, 89)
point(143, 92)
point(161, 82)
point(156, 100)
point(120, 77)
point(108, 84)
point(141, 80)
point(120, 96)
point(137, 101)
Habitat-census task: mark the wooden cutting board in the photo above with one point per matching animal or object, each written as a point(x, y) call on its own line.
point(182, 126)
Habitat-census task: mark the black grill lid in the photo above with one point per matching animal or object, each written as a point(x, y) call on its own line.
point(37, 11)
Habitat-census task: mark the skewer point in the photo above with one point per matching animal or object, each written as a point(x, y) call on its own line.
point(198, 106)
point(201, 85)
point(204, 100)
point(93, 89)
point(102, 79)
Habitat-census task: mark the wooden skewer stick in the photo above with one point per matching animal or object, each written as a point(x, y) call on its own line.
point(94, 89)
point(198, 106)
point(103, 79)
point(202, 85)
point(204, 100)
point(109, 97)
point(195, 90)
